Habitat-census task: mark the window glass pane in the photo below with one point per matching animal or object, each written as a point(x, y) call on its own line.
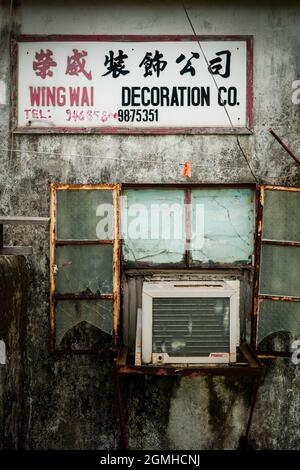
point(222, 225)
point(278, 325)
point(280, 270)
point(84, 269)
point(281, 217)
point(83, 324)
point(153, 225)
point(85, 214)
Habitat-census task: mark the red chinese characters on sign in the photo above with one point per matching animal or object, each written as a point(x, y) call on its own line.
point(43, 63)
point(76, 64)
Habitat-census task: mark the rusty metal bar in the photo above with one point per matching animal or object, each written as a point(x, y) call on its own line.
point(279, 242)
point(273, 354)
point(116, 267)
point(258, 238)
point(279, 297)
point(281, 188)
point(122, 356)
point(84, 296)
point(250, 356)
point(52, 263)
point(124, 327)
point(188, 227)
point(89, 186)
point(191, 371)
point(84, 242)
point(187, 185)
point(283, 145)
point(252, 367)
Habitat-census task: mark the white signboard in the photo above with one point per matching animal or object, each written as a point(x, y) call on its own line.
point(141, 85)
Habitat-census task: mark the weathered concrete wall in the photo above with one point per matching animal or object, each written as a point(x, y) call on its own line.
point(69, 400)
point(13, 308)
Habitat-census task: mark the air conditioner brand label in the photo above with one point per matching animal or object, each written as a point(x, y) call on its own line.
point(217, 355)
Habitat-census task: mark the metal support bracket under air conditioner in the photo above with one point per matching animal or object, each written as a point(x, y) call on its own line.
point(19, 250)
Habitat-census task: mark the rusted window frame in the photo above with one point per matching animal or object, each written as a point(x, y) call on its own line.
point(119, 265)
point(260, 241)
point(115, 296)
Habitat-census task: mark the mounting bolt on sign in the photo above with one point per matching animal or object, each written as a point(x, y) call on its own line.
point(187, 169)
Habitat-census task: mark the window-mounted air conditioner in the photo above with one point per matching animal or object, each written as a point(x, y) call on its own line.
point(188, 322)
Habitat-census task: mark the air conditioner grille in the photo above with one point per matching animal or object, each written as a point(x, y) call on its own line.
point(190, 326)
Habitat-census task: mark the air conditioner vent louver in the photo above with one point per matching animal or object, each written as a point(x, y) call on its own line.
point(190, 326)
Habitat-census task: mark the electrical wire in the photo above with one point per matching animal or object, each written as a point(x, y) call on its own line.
point(219, 95)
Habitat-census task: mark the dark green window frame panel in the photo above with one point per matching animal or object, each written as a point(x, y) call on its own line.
point(259, 296)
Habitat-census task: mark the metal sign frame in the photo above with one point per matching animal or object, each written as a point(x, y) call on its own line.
point(133, 130)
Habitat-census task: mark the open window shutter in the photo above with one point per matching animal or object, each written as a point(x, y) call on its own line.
point(277, 286)
point(84, 257)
